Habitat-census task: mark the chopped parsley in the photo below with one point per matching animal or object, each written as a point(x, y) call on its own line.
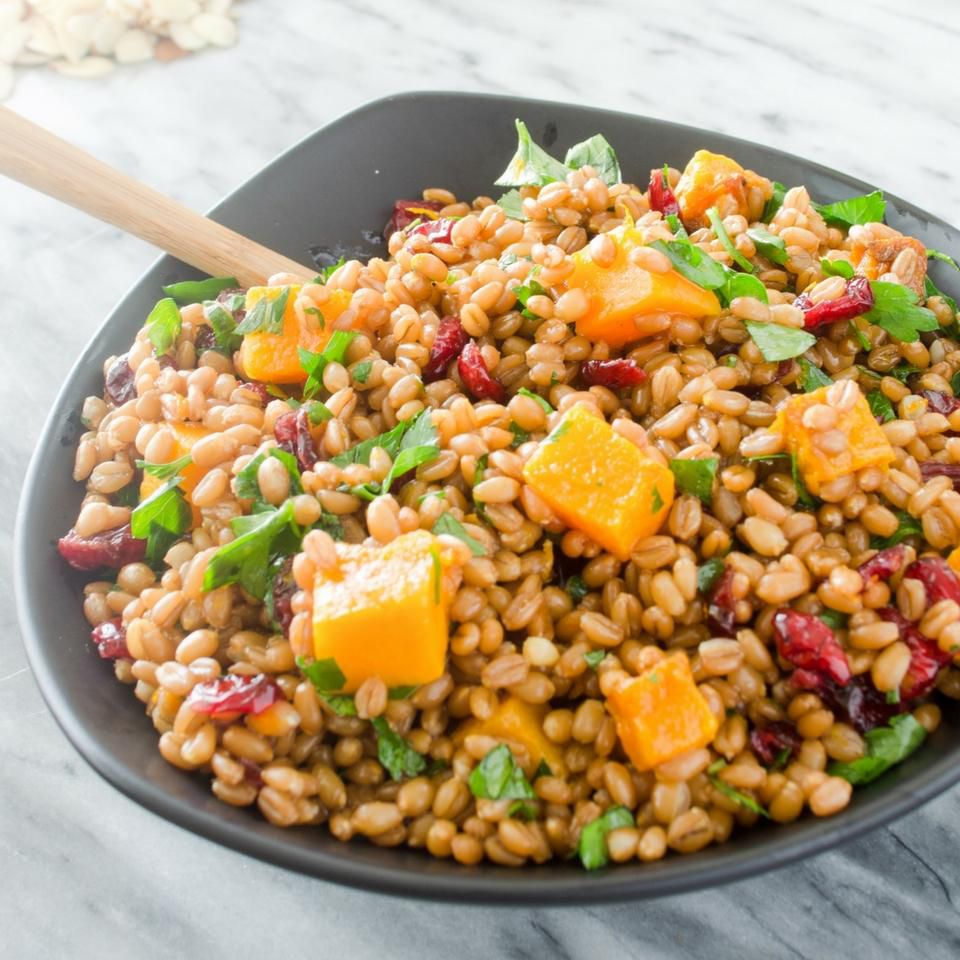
point(595, 152)
point(524, 292)
point(811, 376)
point(512, 205)
point(161, 519)
point(577, 587)
point(713, 215)
point(418, 444)
point(226, 338)
point(450, 525)
point(164, 325)
point(524, 392)
point(592, 847)
point(498, 776)
point(769, 245)
point(328, 271)
point(709, 574)
point(907, 526)
point(594, 658)
point(266, 316)
point(870, 208)
point(395, 754)
point(247, 486)
point(774, 203)
point(834, 619)
point(696, 476)
point(737, 796)
point(196, 291)
point(325, 675)
point(691, 262)
point(656, 501)
point(519, 434)
point(531, 165)
point(776, 342)
point(164, 471)
point(880, 406)
point(314, 364)
point(895, 310)
point(836, 268)
point(886, 746)
point(361, 371)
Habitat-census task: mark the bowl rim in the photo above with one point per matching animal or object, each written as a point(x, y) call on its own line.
point(478, 885)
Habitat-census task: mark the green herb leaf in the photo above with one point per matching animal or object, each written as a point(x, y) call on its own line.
point(328, 271)
point(870, 208)
point(709, 574)
point(224, 327)
point(713, 215)
point(860, 336)
point(315, 363)
point(768, 245)
point(395, 753)
point(450, 525)
point(592, 847)
point(164, 324)
point(880, 406)
point(524, 392)
point(161, 519)
point(512, 205)
point(804, 497)
point(498, 776)
point(325, 675)
point(266, 315)
point(362, 371)
point(402, 693)
point(696, 476)
point(895, 310)
point(531, 164)
point(246, 559)
point(907, 526)
point(524, 292)
point(437, 575)
point(163, 471)
point(774, 203)
point(834, 619)
point(741, 799)
point(836, 268)
point(811, 376)
point(247, 486)
point(577, 588)
point(318, 412)
point(342, 705)
point(656, 501)
point(673, 222)
point(522, 809)
point(519, 434)
point(196, 291)
point(420, 444)
point(930, 289)
point(597, 153)
point(543, 770)
point(886, 746)
point(389, 441)
point(901, 372)
point(691, 262)
point(594, 658)
point(743, 285)
point(893, 696)
point(777, 342)
point(944, 257)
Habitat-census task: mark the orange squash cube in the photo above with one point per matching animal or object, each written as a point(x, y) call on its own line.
point(867, 443)
point(599, 482)
point(623, 292)
point(273, 357)
point(713, 180)
point(383, 613)
point(185, 436)
point(953, 560)
point(661, 713)
point(519, 723)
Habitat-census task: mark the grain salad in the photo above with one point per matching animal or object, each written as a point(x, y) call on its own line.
point(599, 520)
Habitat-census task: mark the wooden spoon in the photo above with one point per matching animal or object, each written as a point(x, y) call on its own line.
point(37, 158)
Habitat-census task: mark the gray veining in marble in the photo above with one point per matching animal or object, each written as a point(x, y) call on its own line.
point(86, 873)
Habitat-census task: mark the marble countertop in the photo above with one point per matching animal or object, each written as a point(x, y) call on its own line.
point(869, 88)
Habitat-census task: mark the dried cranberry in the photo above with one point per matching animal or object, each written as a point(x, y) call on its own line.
point(859, 702)
point(475, 376)
point(940, 402)
point(926, 658)
point(885, 564)
point(769, 742)
point(615, 374)
point(856, 301)
point(660, 196)
point(166, 362)
point(406, 211)
point(436, 231)
point(204, 339)
point(807, 642)
point(934, 468)
point(259, 390)
point(937, 577)
point(721, 607)
point(111, 548)
point(251, 772)
point(292, 431)
point(119, 381)
point(284, 587)
point(235, 694)
point(451, 338)
point(110, 638)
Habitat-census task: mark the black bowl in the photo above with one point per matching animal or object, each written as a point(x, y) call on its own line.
point(334, 190)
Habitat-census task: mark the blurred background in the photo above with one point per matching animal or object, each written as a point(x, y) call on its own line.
point(193, 97)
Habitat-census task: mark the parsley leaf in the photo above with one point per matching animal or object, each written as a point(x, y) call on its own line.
point(886, 746)
point(519, 434)
point(696, 476)
point(498, 776)
point(869, 208)
point(164, 324)
point(325, 675)
point(511, 203)
point(741, 799)
point(395, 753)
point(811, 376)
point(945, 257)
point(774, 203)
point(769, 245)
point(691, 262)
point(361, 372)
point(196, 291)
point(389, 441)
point(418, 444)
point(880, 406)
point(524, 392)
point(594, 658)
point(709, 574)
point(314, 363)
point(777, 342)
point(450, 525)
point(895, 310)
point(901, 372)
point(930, 289)
point(164, 471)
point(246, 485)
point(318, 412)
point(224, 327)
point(908, 526)
point(246, 559)
point(743, 285)
point(266, 315)
point(531, 165)
point(577, 588)
point(713, 215)
point(328, 271)
point(834, 619)
point(161, 519)
point(524, 292)
point(836, 268)
point(592, 847)
point(597, 153)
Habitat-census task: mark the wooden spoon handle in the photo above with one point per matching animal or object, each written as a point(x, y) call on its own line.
point(37, 158)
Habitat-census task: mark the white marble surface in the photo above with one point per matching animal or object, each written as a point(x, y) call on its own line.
point(870, 88)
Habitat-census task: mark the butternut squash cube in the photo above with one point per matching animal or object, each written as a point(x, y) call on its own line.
point(185, 436)
point(867, 443)
point(519, 723)
point(383, 612)
point(272, 357)
point(713, 180)
point(661, 713)
point(953, 560)
point(599, 482)
point(622, 294)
